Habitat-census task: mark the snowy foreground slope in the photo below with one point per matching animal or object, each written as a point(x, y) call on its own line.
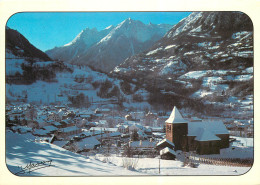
point(21, 152)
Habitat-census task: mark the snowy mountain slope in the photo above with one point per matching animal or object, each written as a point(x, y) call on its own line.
point(20, 152)
point(204, 41)
point(110, 46)
point(19, 46)
point(71, 84)
point(79, 46)
point(25, 63)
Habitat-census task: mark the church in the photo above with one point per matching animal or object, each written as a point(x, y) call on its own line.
point(204, 137)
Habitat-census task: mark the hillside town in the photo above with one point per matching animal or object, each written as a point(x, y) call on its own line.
point(108, 131)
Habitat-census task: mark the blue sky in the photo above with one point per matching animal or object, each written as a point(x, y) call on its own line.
point(46, 30)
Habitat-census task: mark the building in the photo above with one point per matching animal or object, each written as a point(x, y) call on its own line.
point(204, 137)
point(142, 147)
point(53, 116)
point(167, 154)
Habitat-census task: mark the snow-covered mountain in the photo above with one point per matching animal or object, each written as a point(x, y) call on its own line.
point(206, 55)
point(31, 79)
point(79, 46)
point(106, 49)
point(18, 45)
point(25, 63)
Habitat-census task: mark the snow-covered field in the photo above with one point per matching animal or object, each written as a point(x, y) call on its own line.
point(22, 154)
point(150, 166)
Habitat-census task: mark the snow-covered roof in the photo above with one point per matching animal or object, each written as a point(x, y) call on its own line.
point(175, 117)
point(108, 135)
point(40, 132)
point(69, 129)
point(60, 143)
point(102, 122)
point(111, 129)
point(50, 128)
point(215, 127)
point(142, 144)
point(141, 133)
point(206, 135)
point(195, 119)
point(22, 129)
point(85, 115)
point(56, 123)
point(167, 150)
point(97, 129)
point(88, 143)
point(136, 125)
point(165, 140)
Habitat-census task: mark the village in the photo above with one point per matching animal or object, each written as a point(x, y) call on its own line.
point(106, 132)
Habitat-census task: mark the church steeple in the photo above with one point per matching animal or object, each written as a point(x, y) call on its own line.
point(175, 117)
point(177, 129)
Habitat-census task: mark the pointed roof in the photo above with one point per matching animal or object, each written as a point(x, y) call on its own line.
point(175, 117)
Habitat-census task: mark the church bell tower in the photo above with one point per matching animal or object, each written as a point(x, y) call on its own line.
point(177, 130)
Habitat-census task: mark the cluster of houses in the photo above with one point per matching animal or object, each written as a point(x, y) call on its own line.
point(82, 129)
point(87, 130)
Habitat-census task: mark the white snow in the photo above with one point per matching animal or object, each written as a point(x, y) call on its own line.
point(175, 117)
point(194, 74)
point(206, 135)
point(154, 51)
point(150, 166)
point(199, 128)
point(165, 140)
point(109, 27)
point(242, 141)
point(184, 24)
point(166, 150)
point(243, 77)
point(170, 46)
point(20, 153)
point(88, 143)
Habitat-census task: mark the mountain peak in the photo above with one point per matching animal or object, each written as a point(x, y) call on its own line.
point(90, 29)
point(109, 27)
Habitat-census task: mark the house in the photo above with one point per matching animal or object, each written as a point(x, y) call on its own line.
point(88, 143)
point(53, 116)
point(21, 129)
point(137, 116)
point(60, 143)
point(135, 127)
point(150, 119)
point(32, 124)
point(167, 154)
point(204, 137)
point(68, 131)
point(46, 131)
point(123, 128)
point(163, 144)
point(142, 147)
point(96, 130)
point(79, 122)
point(102, 111)
point(128, 117)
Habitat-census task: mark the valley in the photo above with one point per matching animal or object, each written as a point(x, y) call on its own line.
point(103, 100)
